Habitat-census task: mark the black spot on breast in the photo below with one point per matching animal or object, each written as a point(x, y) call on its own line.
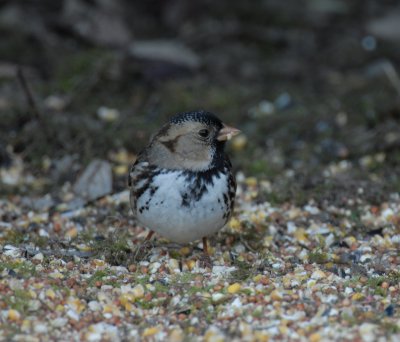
point(147, 176)
point(201, 182)
point(197, 193)
point(144, 175)
point(226, 199)
point(153, 189)
point(185, 200)
point(198, 185)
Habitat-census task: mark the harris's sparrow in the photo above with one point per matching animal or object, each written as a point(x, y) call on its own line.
point(181, 185)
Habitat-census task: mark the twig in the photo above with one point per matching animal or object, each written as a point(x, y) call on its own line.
point(59, 252)
point(245, 243)
point(32, 103)
point(392, 75)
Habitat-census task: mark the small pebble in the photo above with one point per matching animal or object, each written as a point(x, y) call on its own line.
point(234, 288)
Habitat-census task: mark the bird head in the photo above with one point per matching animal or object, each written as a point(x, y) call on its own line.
point(191, 140)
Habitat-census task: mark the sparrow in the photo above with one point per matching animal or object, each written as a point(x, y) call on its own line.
point(181, 185)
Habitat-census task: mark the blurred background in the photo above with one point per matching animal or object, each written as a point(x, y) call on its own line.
point(313, 85)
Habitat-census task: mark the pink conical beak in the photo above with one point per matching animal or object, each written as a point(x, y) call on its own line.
point(227, 132)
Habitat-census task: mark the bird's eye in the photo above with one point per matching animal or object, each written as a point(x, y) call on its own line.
point(204, 133)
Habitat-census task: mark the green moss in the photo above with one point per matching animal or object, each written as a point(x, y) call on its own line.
point(114, 250)
point(23, 269)
point(159, 287)
point(318, 257)
point(273, 198)
point(262, 167)
point(375, 283)
point(380, 292)
point(185, 281)
point(66, 291)
point(355, 280)
point(14, 237)
point(78, 68)
point(20, 47)
point(390, 328)
point(355, 217)
point(184, 277)
point(98, 276)
point(87, 236)
point(174, 254)
point(244, 270)
point(349, 319)
point(247, 292)
point(146, 305)
point(19, 300)
point(394, 277)
point(258, 313)
point(8, 190)
point(140, 278)
point(210, 317)
point(40, 241)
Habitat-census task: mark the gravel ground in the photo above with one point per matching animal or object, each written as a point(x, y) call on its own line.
point(312, 252)
point(280, 272)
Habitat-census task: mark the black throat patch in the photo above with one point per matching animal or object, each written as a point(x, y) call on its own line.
point(199, 183)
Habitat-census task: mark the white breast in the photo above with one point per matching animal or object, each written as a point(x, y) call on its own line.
point(164, 212)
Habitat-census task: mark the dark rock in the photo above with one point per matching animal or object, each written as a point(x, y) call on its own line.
point(99, 22)
point(99, 238)
point(329, 149)
point(390, 309)
point(5, 157)
point(387, 27)
point(96, 181)
point(356, 256)
point(39, 204)
point(12, 273)
point(13, 15)
point(283, 101)
point(378, 231)
point(328, 6)
point(64, 169)
point(168, 51)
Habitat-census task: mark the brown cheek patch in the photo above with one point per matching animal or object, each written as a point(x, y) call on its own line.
point(171, 144)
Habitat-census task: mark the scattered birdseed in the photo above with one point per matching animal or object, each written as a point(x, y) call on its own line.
point(280, 272)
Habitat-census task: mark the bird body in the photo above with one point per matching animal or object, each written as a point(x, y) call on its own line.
point(184, 206)
point(182, 185)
